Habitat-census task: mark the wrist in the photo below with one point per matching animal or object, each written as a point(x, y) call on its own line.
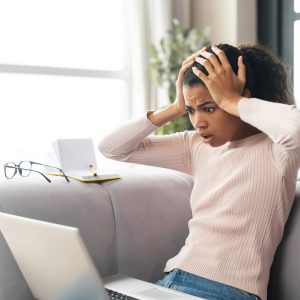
point(162, 116)
point(178, 110)
point(230, 105)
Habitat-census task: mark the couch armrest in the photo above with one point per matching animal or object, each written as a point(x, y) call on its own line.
point(285, 272)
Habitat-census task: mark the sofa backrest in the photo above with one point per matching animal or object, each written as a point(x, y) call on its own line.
point(285, 272)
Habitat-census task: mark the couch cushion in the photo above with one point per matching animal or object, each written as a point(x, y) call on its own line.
point(152, 210)
point(285, 273)
point(86, 206)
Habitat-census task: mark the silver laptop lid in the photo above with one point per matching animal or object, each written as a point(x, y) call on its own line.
point(53, 259)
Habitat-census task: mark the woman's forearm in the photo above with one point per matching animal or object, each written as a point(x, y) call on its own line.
point(281, 122)
point(162, 116)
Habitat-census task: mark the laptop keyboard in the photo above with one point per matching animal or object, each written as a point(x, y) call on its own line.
point(113, 295)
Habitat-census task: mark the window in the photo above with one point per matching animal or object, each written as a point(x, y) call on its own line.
point(297, 6)
point(62, 72)
point(63, 33)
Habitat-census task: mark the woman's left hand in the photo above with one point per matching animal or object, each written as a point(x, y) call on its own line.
point(225, 87)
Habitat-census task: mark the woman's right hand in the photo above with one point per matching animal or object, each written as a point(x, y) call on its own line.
point(179, 103)
point(177, 108)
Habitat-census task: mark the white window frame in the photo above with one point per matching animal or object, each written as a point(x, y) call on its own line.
point(123, 75)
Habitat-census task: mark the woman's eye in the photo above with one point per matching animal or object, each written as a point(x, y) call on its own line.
point(190, 111)
point(209, 109)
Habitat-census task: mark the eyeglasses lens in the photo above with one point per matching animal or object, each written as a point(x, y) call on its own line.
point(10, 170)
point(25, 165)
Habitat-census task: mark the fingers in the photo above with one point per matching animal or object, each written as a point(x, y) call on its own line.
point(185, 66)
point(215, 61)
point(182, 71)
point(194, 55)
point(206, 64)
point(241, 70)
point(201, 75)
point(222, 57)
point(210, 61)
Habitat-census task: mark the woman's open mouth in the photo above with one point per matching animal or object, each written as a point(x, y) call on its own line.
point(207, 138)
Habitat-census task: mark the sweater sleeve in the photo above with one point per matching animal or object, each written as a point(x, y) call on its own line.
point(133, 143)
point(281, 122)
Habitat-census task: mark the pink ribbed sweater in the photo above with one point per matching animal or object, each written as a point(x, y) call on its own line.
point(243, 190)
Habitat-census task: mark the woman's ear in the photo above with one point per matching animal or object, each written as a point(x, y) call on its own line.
point(246, 93)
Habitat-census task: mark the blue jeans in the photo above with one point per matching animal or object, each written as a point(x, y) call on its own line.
point(201, 287)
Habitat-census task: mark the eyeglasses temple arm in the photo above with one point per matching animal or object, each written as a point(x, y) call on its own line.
point(37, 172)
point(60, 170)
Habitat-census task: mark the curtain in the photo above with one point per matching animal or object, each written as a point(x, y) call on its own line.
point(275, 27)
point(268, 23)
point(148, 22)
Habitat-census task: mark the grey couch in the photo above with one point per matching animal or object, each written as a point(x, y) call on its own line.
point(130, 226)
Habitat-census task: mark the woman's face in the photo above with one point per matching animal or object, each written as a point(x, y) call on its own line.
point(215, 126)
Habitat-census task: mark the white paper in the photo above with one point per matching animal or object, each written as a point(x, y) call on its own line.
point(76, 156)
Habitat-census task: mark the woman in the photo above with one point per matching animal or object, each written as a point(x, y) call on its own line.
point(244, 156)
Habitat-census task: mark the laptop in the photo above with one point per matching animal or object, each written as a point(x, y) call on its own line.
point(57, 266)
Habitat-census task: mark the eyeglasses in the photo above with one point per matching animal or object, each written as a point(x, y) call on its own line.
point(25, 168)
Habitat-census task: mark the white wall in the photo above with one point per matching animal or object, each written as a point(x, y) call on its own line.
point(231, 21)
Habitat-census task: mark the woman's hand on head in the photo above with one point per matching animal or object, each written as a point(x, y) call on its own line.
point(177, 108)
point(225, 87)
point(179, 102)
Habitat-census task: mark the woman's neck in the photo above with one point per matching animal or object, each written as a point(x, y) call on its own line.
point(245, 131)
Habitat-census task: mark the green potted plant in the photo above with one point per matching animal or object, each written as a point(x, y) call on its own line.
point(166, 60)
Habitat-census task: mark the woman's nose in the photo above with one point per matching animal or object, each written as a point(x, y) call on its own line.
point(199, 121)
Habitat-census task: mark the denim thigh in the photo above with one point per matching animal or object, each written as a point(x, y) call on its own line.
point(201, 287)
